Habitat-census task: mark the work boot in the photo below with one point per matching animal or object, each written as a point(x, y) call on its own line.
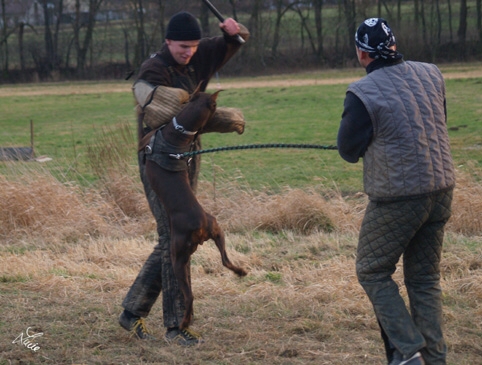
point(135, 325)
point(415, 359)
point(184, 337)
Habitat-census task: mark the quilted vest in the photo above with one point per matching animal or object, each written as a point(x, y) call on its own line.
point(409, 154)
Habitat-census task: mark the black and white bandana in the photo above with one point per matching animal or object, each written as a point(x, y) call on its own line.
point(375, 37)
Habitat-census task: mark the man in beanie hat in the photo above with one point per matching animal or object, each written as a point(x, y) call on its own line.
point(185, 61)
point(395, 119)
point(183, 26)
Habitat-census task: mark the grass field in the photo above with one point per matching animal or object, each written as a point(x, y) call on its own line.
point(75, 231)
point(68, 118)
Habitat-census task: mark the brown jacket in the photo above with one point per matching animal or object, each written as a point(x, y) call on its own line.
point(211, 55)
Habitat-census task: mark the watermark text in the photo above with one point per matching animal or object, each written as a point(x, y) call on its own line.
point(28, 340)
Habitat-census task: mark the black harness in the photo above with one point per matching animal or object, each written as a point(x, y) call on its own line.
point(166, 155)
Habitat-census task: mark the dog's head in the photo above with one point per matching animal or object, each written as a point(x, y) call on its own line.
point(198, 110)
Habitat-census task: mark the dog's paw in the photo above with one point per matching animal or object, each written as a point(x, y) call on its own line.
point(241, 272)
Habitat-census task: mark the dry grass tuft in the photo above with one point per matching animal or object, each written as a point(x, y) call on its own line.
point(467, 205)
point(119, 181)
point(41, 206)
point(35, 203)
point(297, 210)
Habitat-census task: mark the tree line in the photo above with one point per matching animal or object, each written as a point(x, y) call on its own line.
point(49, 40)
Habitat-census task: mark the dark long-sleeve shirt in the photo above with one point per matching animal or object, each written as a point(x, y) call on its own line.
point(356, 129)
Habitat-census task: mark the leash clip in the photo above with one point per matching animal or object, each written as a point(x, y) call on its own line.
point(176, 156)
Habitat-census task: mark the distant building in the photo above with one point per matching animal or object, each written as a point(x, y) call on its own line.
point(32, 12)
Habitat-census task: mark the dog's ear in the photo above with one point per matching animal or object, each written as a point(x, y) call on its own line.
point(196, 91)
point(215, 95)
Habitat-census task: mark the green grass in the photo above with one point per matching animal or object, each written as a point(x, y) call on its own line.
point(307, 115)
point(64, 125)
point(67, 125)
point(464, 104)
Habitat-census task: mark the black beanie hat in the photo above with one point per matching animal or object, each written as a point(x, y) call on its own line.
point(183, 26)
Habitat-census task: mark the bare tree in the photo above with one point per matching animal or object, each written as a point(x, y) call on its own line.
point(256, 31)
point(439, 23)
point(424, 24)
point(49, 59)
point(233, 7)
point(162, 24)
point(204, 17)
point(478, 6)
point(379, 8)
point(142, 23)
point(149, 24)
point(21, 28)
point(21, 50)
point(141, 50)
point(350, 16)
point(318, 5)
point(399, 13)
point(304, 17)
point(462, 31)
point(449, 5)
point(4, 39)
point(82, 47)
point(281, 9)
point(416, 14)
point(59, 13)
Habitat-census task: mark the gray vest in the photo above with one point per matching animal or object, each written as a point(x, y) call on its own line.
point(409, 154)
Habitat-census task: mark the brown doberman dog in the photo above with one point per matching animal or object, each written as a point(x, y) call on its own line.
point(168, 176)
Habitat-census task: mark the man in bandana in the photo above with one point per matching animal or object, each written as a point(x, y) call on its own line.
point(395, 119)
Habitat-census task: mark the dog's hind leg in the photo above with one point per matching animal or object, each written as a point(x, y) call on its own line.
point(180, 263)
point(217, 235)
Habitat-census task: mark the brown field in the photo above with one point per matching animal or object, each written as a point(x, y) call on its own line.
point(69, 254)
point(68, 257)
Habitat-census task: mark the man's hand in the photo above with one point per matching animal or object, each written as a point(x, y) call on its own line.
point(230, 26)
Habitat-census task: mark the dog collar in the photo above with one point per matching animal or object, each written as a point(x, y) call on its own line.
point(180, 128)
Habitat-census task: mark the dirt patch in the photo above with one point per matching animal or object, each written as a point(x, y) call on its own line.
point(242, 83)
point(246, 83)
point(61, 89)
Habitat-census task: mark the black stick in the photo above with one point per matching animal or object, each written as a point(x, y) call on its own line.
point(218, 15)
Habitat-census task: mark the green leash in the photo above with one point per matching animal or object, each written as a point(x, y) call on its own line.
point(179, 156)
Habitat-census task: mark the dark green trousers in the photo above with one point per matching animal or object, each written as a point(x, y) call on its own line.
point(415, 229)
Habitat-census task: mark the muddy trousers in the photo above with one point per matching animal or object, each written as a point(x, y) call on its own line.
point(157, 274)
point(415, 229)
